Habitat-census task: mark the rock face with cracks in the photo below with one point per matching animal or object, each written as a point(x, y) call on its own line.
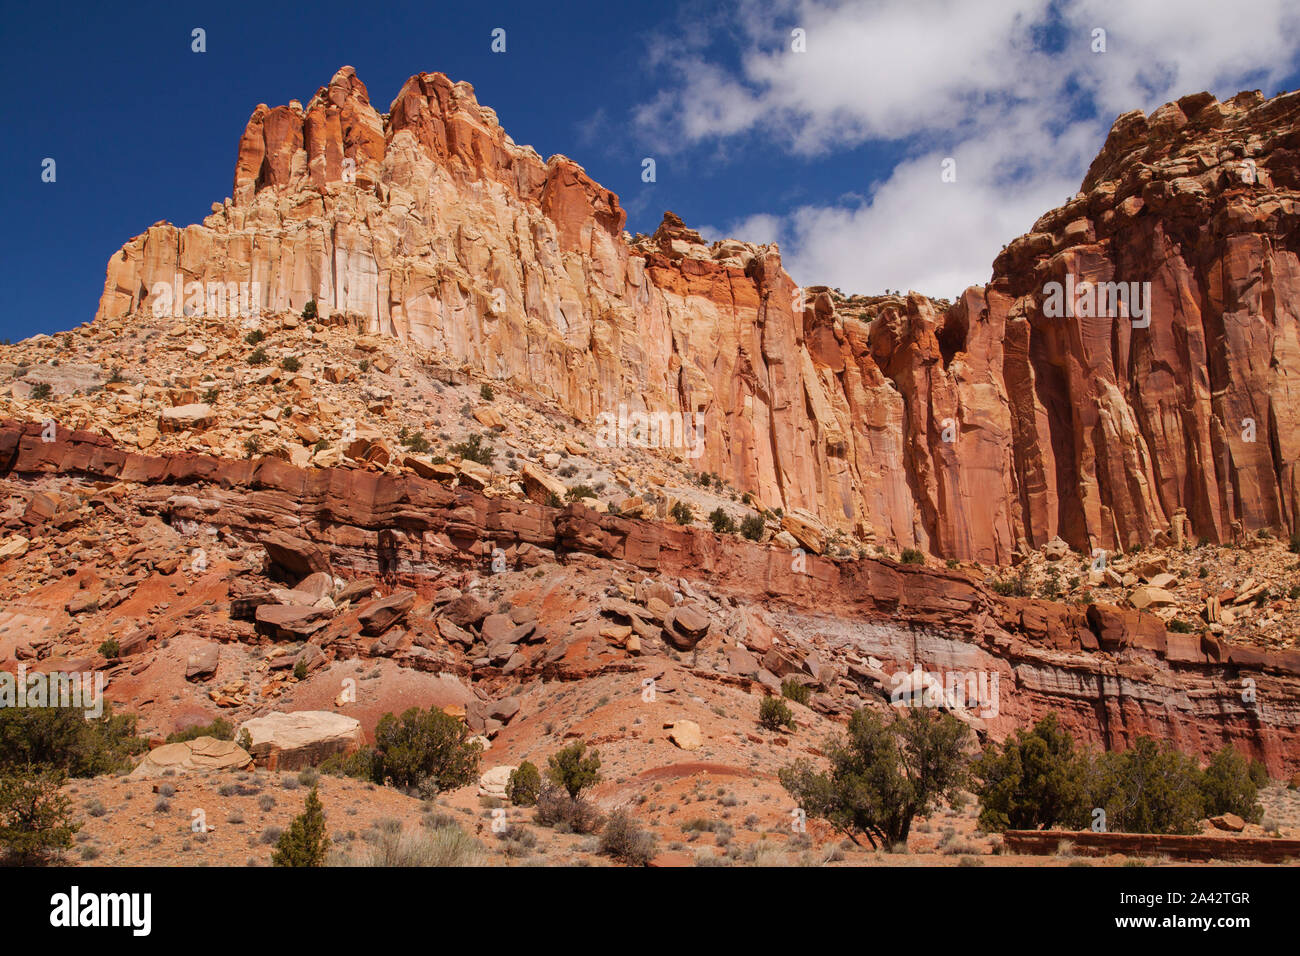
point(966, 429)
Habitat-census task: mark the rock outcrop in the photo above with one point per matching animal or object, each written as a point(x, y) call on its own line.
point(302, 738)
point(200, 755)
point(966, 429)
point(1112, 673)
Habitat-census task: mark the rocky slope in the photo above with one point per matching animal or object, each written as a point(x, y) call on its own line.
point(969, 430)
point(576, 595)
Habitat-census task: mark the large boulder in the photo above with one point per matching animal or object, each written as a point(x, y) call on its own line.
point(685, 734)
point(200, 755)
point(202, 662)
point(806, 529)
point(378, 616)
point(465, 611)
point(287, 622)
point(295, 557)
point(685, 626)
point(186, 418)
point(299, 739)
point(493, 782)
point(1229, 822)
point(539, 486)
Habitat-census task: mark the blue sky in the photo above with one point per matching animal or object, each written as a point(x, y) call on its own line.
point(834, 151)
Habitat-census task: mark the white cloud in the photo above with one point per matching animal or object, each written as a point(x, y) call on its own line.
point(1011, 90)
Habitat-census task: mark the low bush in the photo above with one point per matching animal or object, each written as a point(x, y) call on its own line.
point(625, 841)
point(524, 785)
point(774, 713)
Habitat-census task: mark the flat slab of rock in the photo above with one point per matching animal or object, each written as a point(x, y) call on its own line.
point(354, 590)
point(202, 662)
point(378, 616)
point(685, 734)
point(182, 418)
point(297, 557)
point(465, 611)
point(1228, 821)
point(315, 586)
point(1148, 596)
point(287, 622)
point(497, 627)
point(301, 738)
point(200, 755)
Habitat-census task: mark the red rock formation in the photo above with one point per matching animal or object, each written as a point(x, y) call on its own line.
point(1112, 674)
point(967, 429)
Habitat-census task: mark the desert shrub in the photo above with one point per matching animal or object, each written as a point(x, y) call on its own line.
point(35, 818)
point(912, 556)
point(485, 392)
point(578, 492)
point(415, 441)
point(1150, 788)
point(774, 713)
point(524, 784)
point(474, 449)
point(61, 738)
point(1179, 626)
point(425, 746)
point(1230, 784)
point(681, 513)
point(309, 310)
point(882, 775)
point(573, 768)
point(752, 527)
point(110, 648)
point(795, 691)
point(722, 522)
point(220, 728)
point(518, 841)
point(300, 670)
point(624, 840)
point(1035, 779)
point(290, 363)
point(305, 842)
point(41, 391)
point(1011, 587)
point(555, 808)
point(1040, 779)
point(255, 337)
point(446, 845)
point(258, 356)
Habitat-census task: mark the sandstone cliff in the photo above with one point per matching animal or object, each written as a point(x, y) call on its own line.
point(969, 430)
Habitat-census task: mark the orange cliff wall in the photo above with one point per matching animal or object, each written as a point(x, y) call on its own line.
point(433, 226)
